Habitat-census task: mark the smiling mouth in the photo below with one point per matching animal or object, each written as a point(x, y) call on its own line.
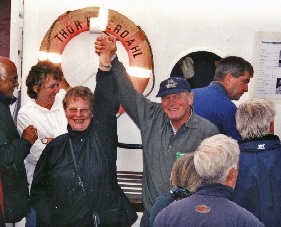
point(79, 120)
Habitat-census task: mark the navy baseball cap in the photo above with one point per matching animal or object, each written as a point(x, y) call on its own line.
point(173, 85)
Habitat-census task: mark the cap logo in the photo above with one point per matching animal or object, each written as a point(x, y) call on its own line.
point(202, 209)
point(171, 83)
point(261, 146)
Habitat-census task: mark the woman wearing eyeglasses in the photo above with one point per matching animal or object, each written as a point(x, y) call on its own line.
point(45, 112)
point(75, 181)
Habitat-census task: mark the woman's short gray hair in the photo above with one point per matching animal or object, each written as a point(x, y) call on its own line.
point(78, 92)
point(253, 117)
point(214, 158)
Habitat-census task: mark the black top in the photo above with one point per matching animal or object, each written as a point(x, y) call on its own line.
point(56, 192)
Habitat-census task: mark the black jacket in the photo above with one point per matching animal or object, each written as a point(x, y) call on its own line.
point(13, 151)
point(56, 193)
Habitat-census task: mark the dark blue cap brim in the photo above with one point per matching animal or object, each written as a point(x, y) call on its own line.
point(171, 91)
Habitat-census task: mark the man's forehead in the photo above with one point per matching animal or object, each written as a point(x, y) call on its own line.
point(178, 93)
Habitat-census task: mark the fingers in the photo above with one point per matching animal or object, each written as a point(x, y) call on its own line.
point(99, 38)
point(30, 134)
point(104, 43)
point(111, 38)
point(30, 130)
point(98, 46)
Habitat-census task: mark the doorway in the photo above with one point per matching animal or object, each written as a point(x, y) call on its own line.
point(197, 68)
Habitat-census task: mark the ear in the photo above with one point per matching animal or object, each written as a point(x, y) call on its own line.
point(271, 128)
point(191, 96)
point(231, 177)
point(238, 129)
point(35, 88)
point(227, 79)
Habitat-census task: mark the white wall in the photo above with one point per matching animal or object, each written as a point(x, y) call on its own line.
point(174, 29)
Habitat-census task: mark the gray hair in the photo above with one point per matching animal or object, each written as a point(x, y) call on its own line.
point(234, 65)
point(5, 66)
point(214, 158)
point(253, 117)
point(78, 92)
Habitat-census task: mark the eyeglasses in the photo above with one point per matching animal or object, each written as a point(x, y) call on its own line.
point(76, 110)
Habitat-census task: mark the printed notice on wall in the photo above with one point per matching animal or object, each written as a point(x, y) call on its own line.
point(267, 65)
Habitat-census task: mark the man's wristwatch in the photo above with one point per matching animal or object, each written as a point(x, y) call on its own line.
point(45, 141)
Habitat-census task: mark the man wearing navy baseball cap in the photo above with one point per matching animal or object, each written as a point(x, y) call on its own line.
point(166, 128)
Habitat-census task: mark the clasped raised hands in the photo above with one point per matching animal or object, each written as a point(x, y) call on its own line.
point(105, 44)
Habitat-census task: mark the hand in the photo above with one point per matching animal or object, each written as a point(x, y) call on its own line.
point(30, 134)
point(99, 45)
point(107, 44)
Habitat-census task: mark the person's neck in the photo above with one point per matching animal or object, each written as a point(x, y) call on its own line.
point(177, 124)
point(45, 105)
point(8, 100)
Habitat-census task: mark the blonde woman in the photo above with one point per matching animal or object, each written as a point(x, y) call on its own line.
point(184, 182)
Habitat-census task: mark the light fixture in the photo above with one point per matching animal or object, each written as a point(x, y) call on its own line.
point(53, 57)
point(98, 24)
point(139, 72)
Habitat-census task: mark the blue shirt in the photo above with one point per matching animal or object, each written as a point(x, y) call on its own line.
point(213, 103)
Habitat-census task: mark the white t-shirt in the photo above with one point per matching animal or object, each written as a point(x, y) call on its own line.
point(49, 124)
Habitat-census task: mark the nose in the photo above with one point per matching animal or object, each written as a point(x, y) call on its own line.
point(56, 89)
point(246, 88)
point(17, 84)
point(78, 113)
point(172, 100)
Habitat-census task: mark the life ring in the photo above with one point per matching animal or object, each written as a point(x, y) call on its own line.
point(132, 37)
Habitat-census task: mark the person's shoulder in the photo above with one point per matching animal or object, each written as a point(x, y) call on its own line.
point(202, 120)
point(245, 217)
point(200, 89)
point(58, 142)
point(178, 204)
point(55, 145)
point(59, 139)
point(206, 123)
point(163, 199)
point(27, 107)
point(240, 211)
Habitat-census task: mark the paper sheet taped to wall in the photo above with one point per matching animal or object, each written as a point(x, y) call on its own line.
point(267, 65)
